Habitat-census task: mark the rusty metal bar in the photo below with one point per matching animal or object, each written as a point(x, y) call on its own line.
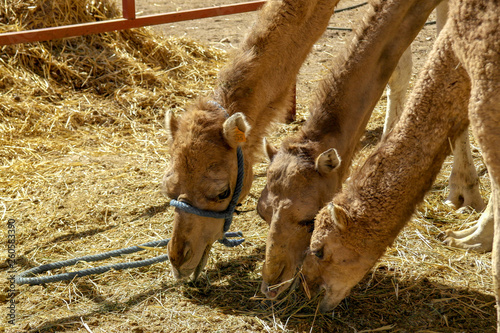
point(74, 30)
point(128, 9)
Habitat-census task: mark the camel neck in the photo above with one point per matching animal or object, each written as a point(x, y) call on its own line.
point(259, 79)
point(357, 80)
point(382, 195)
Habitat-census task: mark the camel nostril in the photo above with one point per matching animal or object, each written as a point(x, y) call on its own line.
point(179, 255)
point(187, 253)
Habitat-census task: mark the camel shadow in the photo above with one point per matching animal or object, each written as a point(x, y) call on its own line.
point(148, 212)
point(152, 211)
point(90, 291)
point(371, 137)
point(380, 300)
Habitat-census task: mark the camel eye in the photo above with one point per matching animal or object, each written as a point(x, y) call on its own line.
point(309, 224)
point(225, 194)
point(318, 253)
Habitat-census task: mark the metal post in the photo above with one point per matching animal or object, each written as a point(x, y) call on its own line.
point(128, 8)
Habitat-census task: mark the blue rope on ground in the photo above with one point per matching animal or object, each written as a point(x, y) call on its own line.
point(27, 277)
point(24, 279)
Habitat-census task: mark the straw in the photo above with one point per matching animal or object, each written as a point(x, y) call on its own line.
point(82, 155)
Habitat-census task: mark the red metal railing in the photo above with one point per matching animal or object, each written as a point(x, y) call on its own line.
point(128, 21)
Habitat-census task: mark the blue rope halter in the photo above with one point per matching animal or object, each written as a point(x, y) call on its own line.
point(227, 214)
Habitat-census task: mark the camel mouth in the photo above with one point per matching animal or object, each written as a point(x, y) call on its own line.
point(202, 263)
point(272, 291)
point(181, 274)
point(331, 299)
point(326, 306)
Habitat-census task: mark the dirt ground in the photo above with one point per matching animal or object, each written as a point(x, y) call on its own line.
point(107, 197)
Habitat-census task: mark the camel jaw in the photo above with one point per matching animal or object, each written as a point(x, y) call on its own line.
point(332, 298)
point(202, 263)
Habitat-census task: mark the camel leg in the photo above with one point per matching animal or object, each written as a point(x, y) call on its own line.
point(400, 78)
point(496, 248)
point(485, 122)
point(464, 184)
point(484, 113)
point(441, 15)
point(464, 181)
point(396, 90)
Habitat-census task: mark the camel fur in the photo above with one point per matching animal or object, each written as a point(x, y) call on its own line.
point(255, 86)
point(311, 166)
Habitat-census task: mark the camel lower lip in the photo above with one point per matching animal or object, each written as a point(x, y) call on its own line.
point(273, 291)
point(202, 263)
point(270, 294)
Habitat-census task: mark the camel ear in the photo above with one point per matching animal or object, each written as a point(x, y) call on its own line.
point(270, 149)
point(328, 161)
point(339, 216)
point(170, 124)
point(235, 129)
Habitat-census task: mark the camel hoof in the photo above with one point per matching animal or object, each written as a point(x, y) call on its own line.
point(468, 239)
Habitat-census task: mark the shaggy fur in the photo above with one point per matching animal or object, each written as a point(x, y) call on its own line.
point(295, 189)
point(462, 73)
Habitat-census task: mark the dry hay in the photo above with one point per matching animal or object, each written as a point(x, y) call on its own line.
point(139, 72)
point(82, 156)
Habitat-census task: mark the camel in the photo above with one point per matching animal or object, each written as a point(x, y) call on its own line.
point(253, 90)
point(463, 180)
point(460, 81)
point(311, 166)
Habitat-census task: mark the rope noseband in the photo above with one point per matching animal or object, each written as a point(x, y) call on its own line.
point(227, 214)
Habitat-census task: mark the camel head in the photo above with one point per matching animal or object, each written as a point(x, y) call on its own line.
point(202, 174)
point(338, 257)
point(299, 183)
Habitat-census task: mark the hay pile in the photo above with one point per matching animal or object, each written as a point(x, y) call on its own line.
point(82, 154)
point(54, 86)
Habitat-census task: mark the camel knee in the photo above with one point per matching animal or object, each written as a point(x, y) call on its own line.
point(464, 181)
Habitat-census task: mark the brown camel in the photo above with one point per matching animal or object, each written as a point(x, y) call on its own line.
point(462, 73)
point(252, 92)
point(464, 181)
point(311, 166)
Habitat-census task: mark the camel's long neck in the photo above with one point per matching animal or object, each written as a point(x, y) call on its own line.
point(354, 86)
point(384, 192)
point(259, 80)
